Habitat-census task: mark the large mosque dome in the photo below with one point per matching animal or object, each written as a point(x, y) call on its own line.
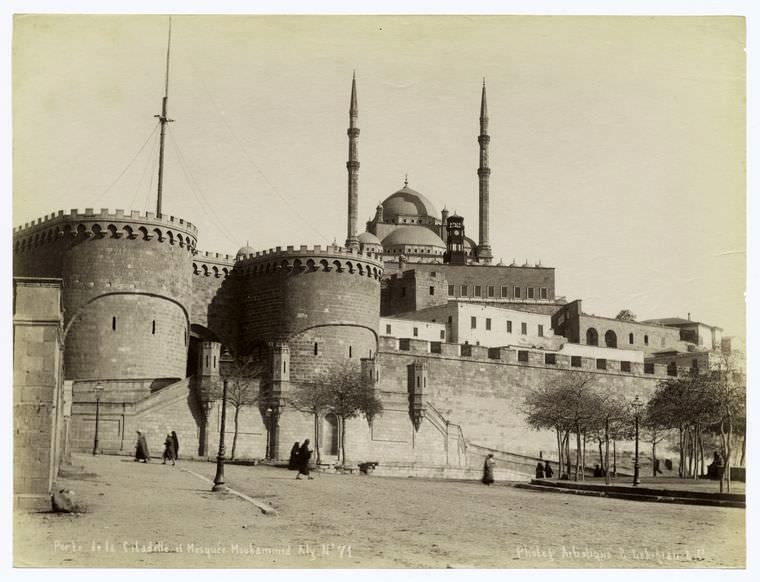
point(408, 203)
point(414, 240)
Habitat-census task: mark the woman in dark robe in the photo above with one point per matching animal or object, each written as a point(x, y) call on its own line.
point(539, 470)
point(141, 450)
point(176, 445)
point(293, 461)
point(304, 454)
point(488, 466)
point(169, 453)
point(548, 472)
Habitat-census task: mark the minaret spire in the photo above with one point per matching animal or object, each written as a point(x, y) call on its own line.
point(484, 173)
point(352, 242)
point(163, 119)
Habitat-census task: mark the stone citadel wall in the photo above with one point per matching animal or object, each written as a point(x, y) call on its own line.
point(127, 289)
point(214, 295)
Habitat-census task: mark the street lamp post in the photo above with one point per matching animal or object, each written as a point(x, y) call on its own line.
point(636, 405)
point(219, 478)
point(269, 433)
point(98, 392)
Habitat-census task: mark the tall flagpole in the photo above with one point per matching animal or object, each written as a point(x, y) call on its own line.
point(163, 119)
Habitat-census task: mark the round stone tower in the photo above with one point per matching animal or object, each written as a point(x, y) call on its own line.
point(323, 302)
point(126, 289)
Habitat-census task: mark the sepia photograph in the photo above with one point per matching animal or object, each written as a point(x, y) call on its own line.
point(378, 291)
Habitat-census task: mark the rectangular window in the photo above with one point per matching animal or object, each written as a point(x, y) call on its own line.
point(435, 347)
point(544, 293)
point(432, 290)
point(625, 366)
point(694, 365)
point(531, 293)
point(494, 353)
point(517, 293)
point(649, 368)
point(463, 291)
point(451, 290)
point(473, 322)
point(415, 332)
point(477, 290)
point(491, 291)
point(466, 350)
point(524, 328)
point(388, 328)
point(540, 331)
point(488, 323)
point(509, 327)
point(443, 334)
point(575, 361)
point(550, 359)
point(522, 356)
point(505, 292)
point(601, 364)
point(403, 344)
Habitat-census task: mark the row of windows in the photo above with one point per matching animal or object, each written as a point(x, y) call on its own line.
point(523, 326)
point(415, 331)
point(517, 292)
point(610, 338)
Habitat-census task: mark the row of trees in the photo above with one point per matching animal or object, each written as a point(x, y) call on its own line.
point(700, 408)
point(341, 390)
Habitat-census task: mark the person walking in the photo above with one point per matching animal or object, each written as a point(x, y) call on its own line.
point(304, 454)
point(169, 452)
point(293, 460)
point(488, 466)
point(142, 453)
point(176, 445)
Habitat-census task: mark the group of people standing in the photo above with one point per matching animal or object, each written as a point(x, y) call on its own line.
point(299, 459)
point(171, 448)
point(542, 470)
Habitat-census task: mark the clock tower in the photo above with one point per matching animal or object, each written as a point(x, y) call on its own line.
point(455, 252)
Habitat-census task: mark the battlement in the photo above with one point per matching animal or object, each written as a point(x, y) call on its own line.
point(105, 215)
point(520, 356)
point(105, 224)
point(304, 258)
point(209, 264)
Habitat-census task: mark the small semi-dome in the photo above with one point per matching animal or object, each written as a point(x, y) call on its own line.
point(244, 252)
point(367, 238)
point(408, 202)
point(413, 235)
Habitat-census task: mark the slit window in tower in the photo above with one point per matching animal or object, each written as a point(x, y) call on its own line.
point(113, 323)
point(316, 349)
point(350, 351)
point(214, 362)
point(154, 327)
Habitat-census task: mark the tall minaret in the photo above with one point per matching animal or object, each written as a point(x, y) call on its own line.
point(353, 170)
point(484, 173)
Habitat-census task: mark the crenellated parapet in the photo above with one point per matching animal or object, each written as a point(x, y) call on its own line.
point(309, 259)
point(207, 264)
point(105, 224)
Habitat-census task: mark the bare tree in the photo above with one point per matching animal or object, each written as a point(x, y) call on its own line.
point(243, 376)
point(349, 394)
point(312, 398)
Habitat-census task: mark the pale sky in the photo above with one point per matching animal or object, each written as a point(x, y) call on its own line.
point(617, 143)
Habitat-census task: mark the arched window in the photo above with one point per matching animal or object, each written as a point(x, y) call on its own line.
point(610, 339)
point(592, 337)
